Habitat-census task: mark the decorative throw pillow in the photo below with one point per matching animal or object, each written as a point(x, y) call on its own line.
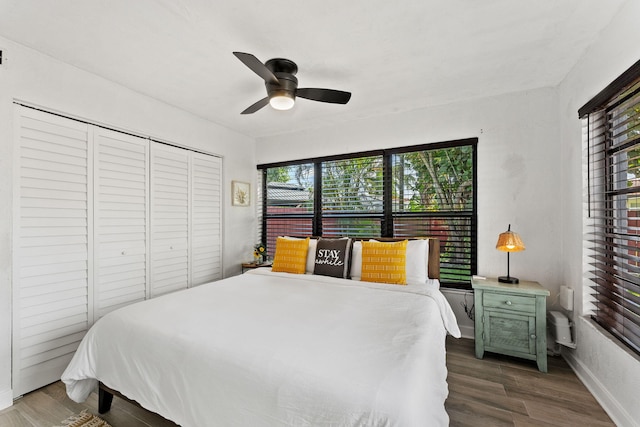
point(384, 262)
point(311, 253)
point(291, 255)
point(332, 257)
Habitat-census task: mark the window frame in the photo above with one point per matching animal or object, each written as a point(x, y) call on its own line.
point(386, 229)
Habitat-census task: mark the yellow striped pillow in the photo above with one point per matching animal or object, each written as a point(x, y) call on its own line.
point(384, 262)
point(291, 255)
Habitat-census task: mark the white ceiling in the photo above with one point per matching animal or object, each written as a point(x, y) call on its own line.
point(392, 55)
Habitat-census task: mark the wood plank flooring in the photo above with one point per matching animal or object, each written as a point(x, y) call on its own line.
point(48, 406)
point(495, 391)
point(504, 391)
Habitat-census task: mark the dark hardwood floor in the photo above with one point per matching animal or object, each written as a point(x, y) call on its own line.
point(495, 391)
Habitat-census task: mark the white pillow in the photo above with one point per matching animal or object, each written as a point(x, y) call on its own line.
point(356, 260)
point(311, 255)
point(417, 261)
point(417, 264)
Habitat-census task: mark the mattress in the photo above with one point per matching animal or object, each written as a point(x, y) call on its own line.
point(276, 349)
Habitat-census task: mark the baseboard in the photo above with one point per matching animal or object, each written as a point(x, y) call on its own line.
point(6, 398)
point(611, 406)
point(467, 331)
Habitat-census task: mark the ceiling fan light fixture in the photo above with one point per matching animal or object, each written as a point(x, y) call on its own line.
point(281, 101)
point(282, 85)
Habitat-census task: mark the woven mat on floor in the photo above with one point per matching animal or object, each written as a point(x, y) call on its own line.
point(84, 419)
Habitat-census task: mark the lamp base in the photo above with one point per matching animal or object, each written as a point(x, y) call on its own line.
point(508, 279)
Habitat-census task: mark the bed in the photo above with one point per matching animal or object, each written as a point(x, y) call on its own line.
point(276, 349)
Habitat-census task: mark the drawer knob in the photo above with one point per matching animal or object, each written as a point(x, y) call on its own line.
point(533, 336)
point(508, 302)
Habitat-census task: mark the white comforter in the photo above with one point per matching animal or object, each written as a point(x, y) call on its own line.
point(275, 349)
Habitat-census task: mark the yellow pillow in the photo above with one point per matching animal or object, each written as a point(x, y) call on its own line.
point(384, 262)
point(291, 255)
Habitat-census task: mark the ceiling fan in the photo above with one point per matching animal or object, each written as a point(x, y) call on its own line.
point(282, 84)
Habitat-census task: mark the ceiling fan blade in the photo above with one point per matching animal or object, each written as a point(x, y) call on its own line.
point(324, 95)
point(257, 67)
point(255, 107)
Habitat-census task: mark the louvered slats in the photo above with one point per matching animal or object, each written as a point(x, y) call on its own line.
point(206, 227)
point(100, 223)
point(170, 219)
point(121, 224)
point(52, 249)
point(612, 135)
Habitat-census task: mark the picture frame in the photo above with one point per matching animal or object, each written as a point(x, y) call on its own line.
point(240, 193)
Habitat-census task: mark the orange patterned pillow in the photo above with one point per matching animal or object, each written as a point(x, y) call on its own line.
point(384, 262)
point(291, 255)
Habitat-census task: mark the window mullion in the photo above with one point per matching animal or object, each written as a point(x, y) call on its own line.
point(317, 201)
point(387, 196)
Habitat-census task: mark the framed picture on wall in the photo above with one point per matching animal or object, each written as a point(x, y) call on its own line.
point(240, 193)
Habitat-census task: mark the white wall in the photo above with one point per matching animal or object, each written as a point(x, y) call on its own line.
point(519, 171)
point(610, 370)
point(29, 76)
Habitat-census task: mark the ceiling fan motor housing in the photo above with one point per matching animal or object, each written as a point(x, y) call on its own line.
point(284, 70)
point(287, 87)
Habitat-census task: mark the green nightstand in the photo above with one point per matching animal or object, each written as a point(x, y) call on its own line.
point(511, 319)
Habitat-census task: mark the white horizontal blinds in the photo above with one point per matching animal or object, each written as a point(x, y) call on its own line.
point(120, 223)
point(52, 250)
point(206, 227)
point(352, 197)
point(169, 219)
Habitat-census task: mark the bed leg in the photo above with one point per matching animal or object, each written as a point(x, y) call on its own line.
point(104, 400)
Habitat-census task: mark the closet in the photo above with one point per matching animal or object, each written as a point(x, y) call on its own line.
point(102, 219)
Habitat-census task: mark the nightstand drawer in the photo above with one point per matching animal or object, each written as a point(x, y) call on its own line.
point(521, 304)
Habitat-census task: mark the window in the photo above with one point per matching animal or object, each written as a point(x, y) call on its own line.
point(352, 197)
point(426, 190)
point(611, 123)
point(289, 204)
point(434, 195)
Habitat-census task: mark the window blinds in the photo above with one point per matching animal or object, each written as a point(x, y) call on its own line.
point(425, 190)
point(352, 197)
point(612, 133)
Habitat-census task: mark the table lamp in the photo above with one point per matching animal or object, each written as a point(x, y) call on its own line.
point(509, 242)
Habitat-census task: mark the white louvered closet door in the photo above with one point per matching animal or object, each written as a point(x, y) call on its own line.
point(121, 219)
point(52, 246)
point(206, 209)
point(169, 219)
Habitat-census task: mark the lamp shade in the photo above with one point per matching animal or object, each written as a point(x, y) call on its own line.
point(509, 242)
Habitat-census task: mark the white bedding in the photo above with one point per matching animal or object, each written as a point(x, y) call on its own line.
point(276, 349)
